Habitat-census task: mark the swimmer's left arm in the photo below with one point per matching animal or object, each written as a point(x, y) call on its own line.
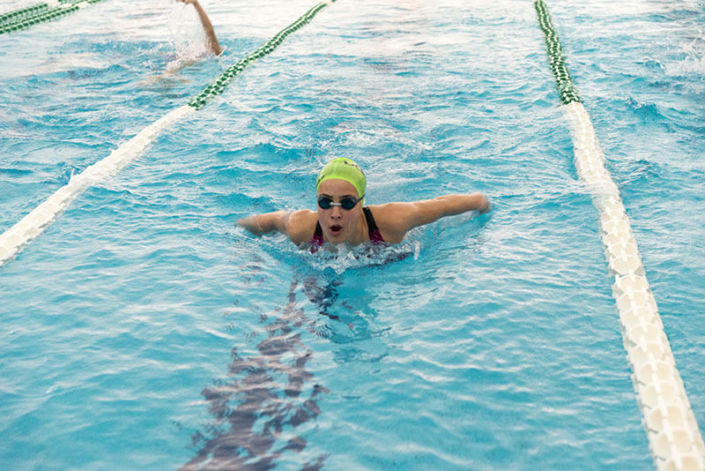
point(428, 211)
point(396, 219)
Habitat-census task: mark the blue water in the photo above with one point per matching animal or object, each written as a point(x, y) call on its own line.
point(144, 330)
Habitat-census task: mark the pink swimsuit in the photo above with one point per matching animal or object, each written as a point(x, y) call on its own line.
point(375, 235)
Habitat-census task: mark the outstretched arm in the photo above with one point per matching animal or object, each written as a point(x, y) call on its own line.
point(213, 44)
point(297, 225)
point(396, 219)
point(259, 224)
point(428, 211)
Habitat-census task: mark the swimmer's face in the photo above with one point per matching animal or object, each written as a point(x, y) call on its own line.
point(338, 225)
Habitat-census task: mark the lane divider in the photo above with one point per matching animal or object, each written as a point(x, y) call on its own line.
point(217, 87)
point(674, 437)
point(13, 16)
point(32, 225)
point(26, 17)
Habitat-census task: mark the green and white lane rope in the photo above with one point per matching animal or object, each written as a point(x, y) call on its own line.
point(32, 225)
point(217, 87)
point(19, 15)
point(673, 433)
point(40, 13)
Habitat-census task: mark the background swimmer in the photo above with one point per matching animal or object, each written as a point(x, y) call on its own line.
point(170, 76)
point(211, 39)
point(342, 218)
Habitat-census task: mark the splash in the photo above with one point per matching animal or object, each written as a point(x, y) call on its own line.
point(186, 36)
point(341, 258)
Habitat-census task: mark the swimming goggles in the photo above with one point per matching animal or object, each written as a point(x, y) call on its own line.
point(348, 203)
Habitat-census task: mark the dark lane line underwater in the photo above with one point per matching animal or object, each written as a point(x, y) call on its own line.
point(263, 401)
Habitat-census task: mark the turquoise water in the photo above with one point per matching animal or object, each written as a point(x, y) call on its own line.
point(143, 330)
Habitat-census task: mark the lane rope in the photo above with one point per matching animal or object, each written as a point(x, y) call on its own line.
point(674, 437)
point(217, 87)
point(32, 225)
point(40, 13)
point(13, 16)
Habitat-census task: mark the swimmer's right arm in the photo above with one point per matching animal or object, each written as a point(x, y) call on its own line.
point(259, 224)
point(296, 225)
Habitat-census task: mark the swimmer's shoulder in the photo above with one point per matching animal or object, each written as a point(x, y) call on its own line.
point(300, 225)
point(393, 220)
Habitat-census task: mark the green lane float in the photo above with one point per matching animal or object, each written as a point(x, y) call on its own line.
point(566, 88)
point(217, 87)
point(22, 19)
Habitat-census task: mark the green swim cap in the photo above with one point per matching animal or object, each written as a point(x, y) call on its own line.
point(344, 169)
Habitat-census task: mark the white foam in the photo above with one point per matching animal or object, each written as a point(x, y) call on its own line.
point(343, 257)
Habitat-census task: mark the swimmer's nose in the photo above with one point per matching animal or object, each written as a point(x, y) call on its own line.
point(336, 212)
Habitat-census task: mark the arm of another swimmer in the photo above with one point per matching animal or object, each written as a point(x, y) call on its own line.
point(213, 43)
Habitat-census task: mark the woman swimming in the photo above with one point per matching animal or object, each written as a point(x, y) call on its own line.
point(342, 217)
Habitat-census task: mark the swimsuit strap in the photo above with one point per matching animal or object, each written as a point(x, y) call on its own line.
point(373, 230)
point(317, 235)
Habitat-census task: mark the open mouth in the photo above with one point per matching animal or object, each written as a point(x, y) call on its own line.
point(336, 228)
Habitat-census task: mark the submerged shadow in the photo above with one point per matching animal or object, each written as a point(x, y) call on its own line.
point(270, 394)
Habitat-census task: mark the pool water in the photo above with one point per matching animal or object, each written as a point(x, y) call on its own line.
point(145, 330)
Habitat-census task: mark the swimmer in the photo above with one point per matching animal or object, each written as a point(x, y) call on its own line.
point(170, 76)
point(211, 38)
point(341, 216)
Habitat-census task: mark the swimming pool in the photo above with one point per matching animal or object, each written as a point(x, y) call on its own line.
point(142, 329)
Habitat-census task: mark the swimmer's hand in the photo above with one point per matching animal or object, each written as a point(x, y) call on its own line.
point(484, 206)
